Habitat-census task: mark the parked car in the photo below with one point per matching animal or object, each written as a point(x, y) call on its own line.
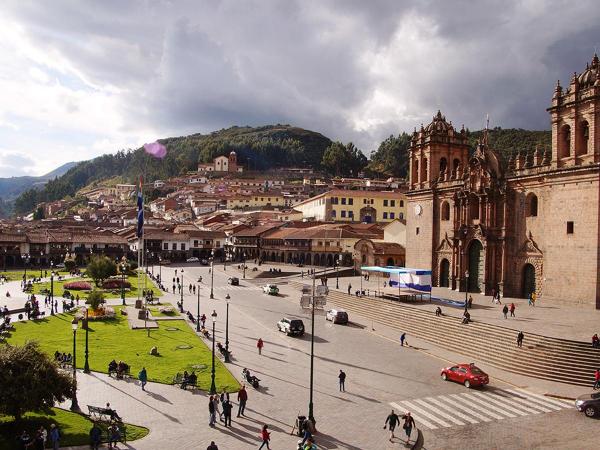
point(204, 262)
point(291, 327)
point(467, 374)
point(271, 289)
point(234, 281)
point(337, 316)
point(589, 404)
point(192, 259)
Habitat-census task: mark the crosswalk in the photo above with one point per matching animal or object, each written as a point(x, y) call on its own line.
point(473, 407)
point(228, 287)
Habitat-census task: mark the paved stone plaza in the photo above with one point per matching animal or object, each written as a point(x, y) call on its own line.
point(381, 375)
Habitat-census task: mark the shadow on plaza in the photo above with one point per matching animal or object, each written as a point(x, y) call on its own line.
point(330, 442)
point(171, 418)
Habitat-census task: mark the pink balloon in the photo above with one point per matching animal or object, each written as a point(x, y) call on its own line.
point(156, 149)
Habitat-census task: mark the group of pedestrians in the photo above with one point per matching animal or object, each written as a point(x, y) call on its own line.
point(222, 406)
point(508, 309)
point(393, 420)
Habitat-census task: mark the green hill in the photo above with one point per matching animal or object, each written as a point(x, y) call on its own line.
point(260, 148)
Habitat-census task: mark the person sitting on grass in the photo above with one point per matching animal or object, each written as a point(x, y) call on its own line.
point(193, 378)
point(112, 367)
point(57, 356)
point(185, 380)
point(121, 369)
point(205, 332)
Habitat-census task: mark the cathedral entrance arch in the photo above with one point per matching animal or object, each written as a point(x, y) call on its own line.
point(528, 280)
point(476, 281)
point(445, 273)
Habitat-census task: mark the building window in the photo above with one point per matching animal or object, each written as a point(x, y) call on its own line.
point(182, 246)
point(334, 200)
point(174, 246)
point(350, 213)
point(364, 201)
point(385, 203)
point(401, 216)
point(195, 243)
point(392, 215)
point(401, 203)
point(532, 205)
point(392, 203)
point(343, 213)
point(343, 200)
point(351, 201)
point(445, 211)
point(570, 227)
point(333, 214)
point(417, 231)
point(165, 246)
point(385, 215)
point(372, 201)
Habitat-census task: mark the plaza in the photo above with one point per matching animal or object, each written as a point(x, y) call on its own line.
point(381, 375)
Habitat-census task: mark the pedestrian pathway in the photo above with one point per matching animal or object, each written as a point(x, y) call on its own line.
point(473, 407)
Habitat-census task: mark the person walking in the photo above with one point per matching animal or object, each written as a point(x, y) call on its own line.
point(342, 378)
point(533, 298)
point(211, 412)
point(512, 310)
point(95, 436)
point(259, 345)
point(402, 339)
point(242, 399)
point(529, 302)
point(217, 404)
point(349, 288)
point(409, 423)
point(265, 436)
point(505, 311)
point(498, 297)
point(392, 420)
point(597, 379)
point(212, 446)
point(54, 436)
point(520, 337)
point(226, 405)
point(114, 435)
point(143, 377)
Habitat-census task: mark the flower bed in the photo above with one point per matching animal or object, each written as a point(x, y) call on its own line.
point(102, 313)
point(115, 283)
point(78, 286)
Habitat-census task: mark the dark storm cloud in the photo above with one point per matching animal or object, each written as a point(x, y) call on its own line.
point(353, 70)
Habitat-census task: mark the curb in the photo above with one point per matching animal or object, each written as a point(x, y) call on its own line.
point(561, 397)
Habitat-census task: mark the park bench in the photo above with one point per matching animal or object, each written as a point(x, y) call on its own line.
point(102, 414)
point(178, 381)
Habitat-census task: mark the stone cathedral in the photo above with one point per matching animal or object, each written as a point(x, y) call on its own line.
point(530, 224)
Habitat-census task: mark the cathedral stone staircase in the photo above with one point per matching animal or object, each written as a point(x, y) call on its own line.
point(544, 357)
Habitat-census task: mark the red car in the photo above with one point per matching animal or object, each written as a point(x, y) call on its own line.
point(467, 374)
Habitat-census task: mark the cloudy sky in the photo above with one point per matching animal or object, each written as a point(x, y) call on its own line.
point(82, 78)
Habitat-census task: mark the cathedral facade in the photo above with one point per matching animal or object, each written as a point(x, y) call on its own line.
point(529, 224)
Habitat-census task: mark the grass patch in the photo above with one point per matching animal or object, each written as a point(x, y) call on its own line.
point(74, 428)
point(113, 339)
point(155, 310)
point(17, 275)
point(59, 289)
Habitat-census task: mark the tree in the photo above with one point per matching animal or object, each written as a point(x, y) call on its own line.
point(30, 380)
point(39, 213)
point(391, 158)
point(343, 160)
point(100, 268)
point(95, 299)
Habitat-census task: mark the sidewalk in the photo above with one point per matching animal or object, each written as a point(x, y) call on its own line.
point(556, 320)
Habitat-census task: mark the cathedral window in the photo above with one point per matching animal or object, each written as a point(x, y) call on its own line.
point(532, 205)
point(564, 142)
point(584, 135)
point(443, 164)
point(570, 227)
point(445, 211)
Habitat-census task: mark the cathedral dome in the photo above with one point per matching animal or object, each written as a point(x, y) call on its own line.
point(439, 125)
point(587, 78)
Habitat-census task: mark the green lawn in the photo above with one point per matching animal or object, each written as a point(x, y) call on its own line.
point(74, 428)
point(38, 288)
point(14, 275)
point(179, 347)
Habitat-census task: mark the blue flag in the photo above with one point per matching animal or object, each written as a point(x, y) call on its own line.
point(140, 214)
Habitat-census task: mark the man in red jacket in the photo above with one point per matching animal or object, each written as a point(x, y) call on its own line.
point(242, 398)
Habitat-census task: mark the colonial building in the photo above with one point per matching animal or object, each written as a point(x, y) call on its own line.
point(530, 225)
point(221, 164)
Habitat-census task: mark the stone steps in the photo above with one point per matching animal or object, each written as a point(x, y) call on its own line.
point(555, 359)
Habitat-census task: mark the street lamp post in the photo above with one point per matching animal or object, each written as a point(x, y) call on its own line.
point(86, 366)
point(213, 387)
point(159, 270)
point(25, 262)
point(52, 288)
point(42, 255)
point(212, 273)
point(337, 273)
point(311, 416)
point(198, 311)
point(244, 264)
point(74, 403)
point(123, 270)
point(181, 306)
point(227, 330)
point(466, 289)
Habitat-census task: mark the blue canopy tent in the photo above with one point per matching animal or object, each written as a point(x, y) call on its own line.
point(416, 281)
